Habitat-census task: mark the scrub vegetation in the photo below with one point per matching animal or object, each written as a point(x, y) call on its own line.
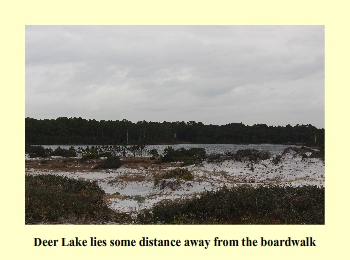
point(243, 205)
point(112, 162)
point(55, 200)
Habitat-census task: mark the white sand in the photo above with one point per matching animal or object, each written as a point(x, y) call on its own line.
point(136, 195)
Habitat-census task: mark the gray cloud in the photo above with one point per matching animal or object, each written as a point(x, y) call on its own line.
point(213, 74)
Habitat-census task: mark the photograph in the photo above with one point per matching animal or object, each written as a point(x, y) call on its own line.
point(175, 125)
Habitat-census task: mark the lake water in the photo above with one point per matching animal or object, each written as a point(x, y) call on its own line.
point(209, 148)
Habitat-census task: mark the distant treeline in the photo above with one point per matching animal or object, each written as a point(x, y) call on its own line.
point(77, 131)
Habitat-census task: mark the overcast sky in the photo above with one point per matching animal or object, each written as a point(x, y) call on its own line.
point(270, 75)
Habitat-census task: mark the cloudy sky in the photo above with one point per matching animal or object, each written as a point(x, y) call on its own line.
point(270, 75)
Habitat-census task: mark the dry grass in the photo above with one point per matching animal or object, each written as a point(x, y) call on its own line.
point(74, 164)
point(58, 164)
point(136, 162)
point(129, 177)
point(107, 197)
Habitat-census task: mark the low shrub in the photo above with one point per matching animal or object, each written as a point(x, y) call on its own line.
point(56, 199)
point(89, 156)
point(243, 205)
point(112, 162)
point(187, 161)
point(252, 155)
point(36, 151)
point(178, 174)
point(277, 159)
point(218, 158)
point(189, 156)
point(154, 154)
point(64, 152)
point(215, 158)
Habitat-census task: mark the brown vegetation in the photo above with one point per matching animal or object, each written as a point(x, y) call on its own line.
point(75, 164)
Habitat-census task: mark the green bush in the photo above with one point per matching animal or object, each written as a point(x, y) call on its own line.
point(243, 205)
point(188, 156)
point(36, 151)
point(154, 153)
point(218, 158)
point(89, 156)
point(112, 162)
point(252, 155)
point(56, 199)
point(178, 174)
point(277, 159)
point(64, 152)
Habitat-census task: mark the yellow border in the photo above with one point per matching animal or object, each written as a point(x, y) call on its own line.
point(17, 239)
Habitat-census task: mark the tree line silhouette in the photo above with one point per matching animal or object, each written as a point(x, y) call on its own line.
point(78, 131)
